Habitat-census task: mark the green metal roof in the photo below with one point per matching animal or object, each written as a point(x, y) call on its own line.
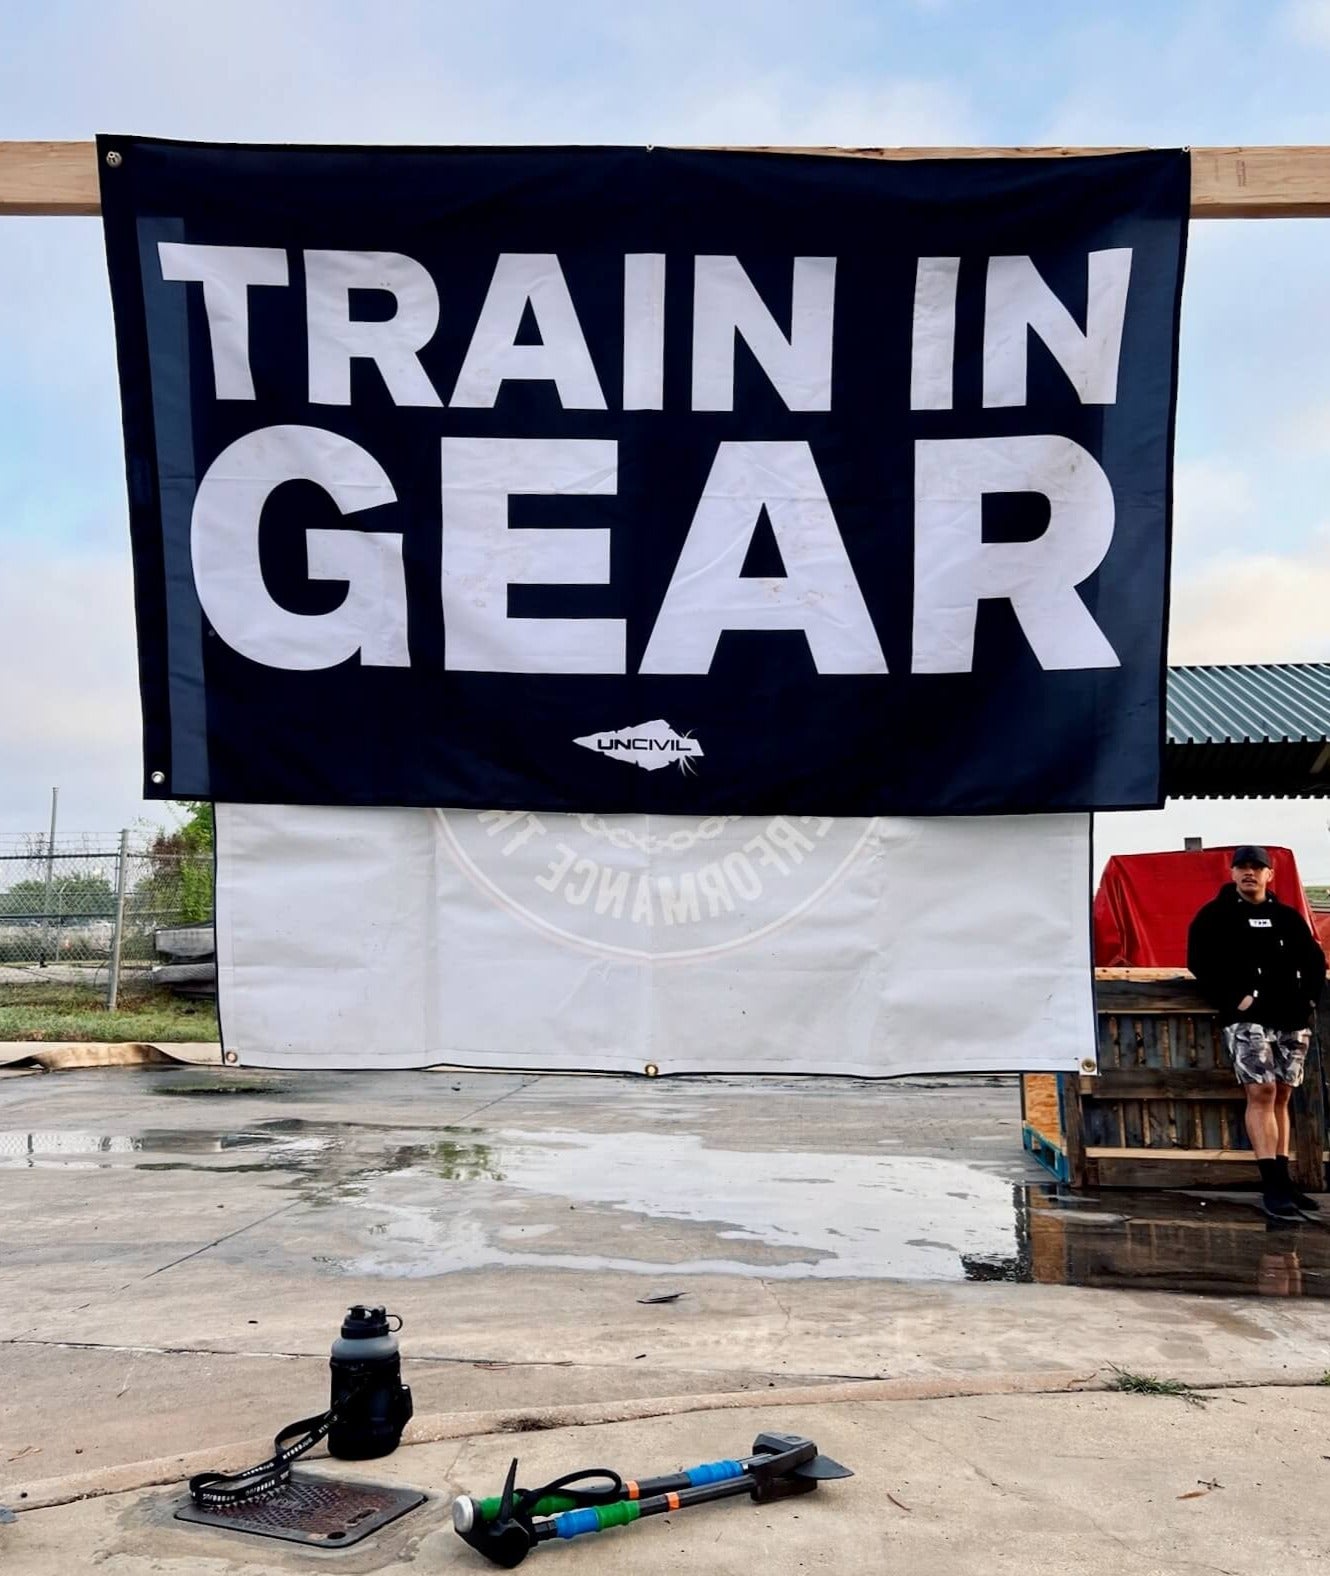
point(1258, 730)
point(1255, 702)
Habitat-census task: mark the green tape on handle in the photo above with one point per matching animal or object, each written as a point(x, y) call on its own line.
point(488, 1509)
point(618, 1514)
point(597, 1518)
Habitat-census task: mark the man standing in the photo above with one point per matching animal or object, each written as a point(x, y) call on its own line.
point(1258, 962)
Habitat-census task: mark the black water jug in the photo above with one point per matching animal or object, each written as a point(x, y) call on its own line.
point(374, 1405)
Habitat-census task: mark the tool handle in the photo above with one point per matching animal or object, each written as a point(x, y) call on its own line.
point(599, 1518)
point(487, 1509)
point(690, 1477)
point(593, 1518)
point(555, 1504)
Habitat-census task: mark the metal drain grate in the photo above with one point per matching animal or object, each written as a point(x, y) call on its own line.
point(326, 1512)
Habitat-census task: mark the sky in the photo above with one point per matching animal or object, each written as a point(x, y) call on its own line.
point(1251, 577)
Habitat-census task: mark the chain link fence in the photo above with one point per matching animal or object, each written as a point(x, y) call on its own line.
point(62, 904)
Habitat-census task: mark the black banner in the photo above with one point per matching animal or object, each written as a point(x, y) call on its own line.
point(625, 479)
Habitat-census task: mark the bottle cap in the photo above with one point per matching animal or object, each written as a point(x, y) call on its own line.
point(364, 1324)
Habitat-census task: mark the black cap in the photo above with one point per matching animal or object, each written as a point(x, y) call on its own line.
point(363, 1323)
point(1252, 854)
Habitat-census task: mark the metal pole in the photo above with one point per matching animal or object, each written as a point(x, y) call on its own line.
point(50, 870)
point(113, 986)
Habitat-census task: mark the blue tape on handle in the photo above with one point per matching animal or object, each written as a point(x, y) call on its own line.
point(714, 1472)
point(574, 1522)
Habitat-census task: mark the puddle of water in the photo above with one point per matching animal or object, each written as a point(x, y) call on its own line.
point(81, 1150)
point(449, 1159)
point(1166, 1241)
point(785, 1214)
point(33, 1149)
point(432, 1201)
point(868, 1216)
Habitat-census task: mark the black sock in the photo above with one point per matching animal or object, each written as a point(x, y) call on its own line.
point(1271, 1180)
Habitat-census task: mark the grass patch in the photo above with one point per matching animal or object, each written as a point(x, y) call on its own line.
point(42, 1012)
point(1145, 1384)
point(1325, 1377)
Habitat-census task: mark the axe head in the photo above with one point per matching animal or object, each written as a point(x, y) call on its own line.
point(810, 1466)
point(508, 1539)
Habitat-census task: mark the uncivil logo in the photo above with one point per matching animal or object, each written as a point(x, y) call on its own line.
point(650, 745)
point(663, 888)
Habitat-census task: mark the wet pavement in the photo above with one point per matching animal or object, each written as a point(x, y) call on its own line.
point(177, 1247)
point(913, 1181)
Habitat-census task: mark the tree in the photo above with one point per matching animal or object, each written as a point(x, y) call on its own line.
point(179, 883)
point(73, 896)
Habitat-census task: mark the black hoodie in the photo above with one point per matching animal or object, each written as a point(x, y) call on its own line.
point(1265, 950)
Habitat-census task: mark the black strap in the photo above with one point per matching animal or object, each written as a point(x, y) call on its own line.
point(210, 1489)
point(526, 1498)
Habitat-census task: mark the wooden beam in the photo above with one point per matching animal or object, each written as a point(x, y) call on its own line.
point(1120, 971)
point(1129, 998)
point(1220, 1156)
point(1140, 1173)
point(49, 178)
point(1260, 183)
point(1161, 1083)
point(1080, 1173)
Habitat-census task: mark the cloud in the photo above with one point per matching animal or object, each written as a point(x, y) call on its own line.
point(1306, 432)
point(67, 647)
point(1288, 823)
point(1213, 502)
point(588, 71)
point(69, 710)
point(778, 110)
point(1308, 21)
point(1258, 607)
point(63, 474)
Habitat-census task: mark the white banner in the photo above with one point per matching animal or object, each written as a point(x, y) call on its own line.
point(787, 944)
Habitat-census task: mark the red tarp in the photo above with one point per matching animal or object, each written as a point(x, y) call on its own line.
point(1145, 903)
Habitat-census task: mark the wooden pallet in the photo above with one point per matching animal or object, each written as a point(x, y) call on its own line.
point(1164, 1109)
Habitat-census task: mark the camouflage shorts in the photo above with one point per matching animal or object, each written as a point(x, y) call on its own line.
point(1266, 1056)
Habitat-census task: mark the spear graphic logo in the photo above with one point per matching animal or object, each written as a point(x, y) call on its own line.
point(650, 745)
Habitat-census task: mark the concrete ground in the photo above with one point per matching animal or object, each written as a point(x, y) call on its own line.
point(877, 1265)
point(1098, 1485)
